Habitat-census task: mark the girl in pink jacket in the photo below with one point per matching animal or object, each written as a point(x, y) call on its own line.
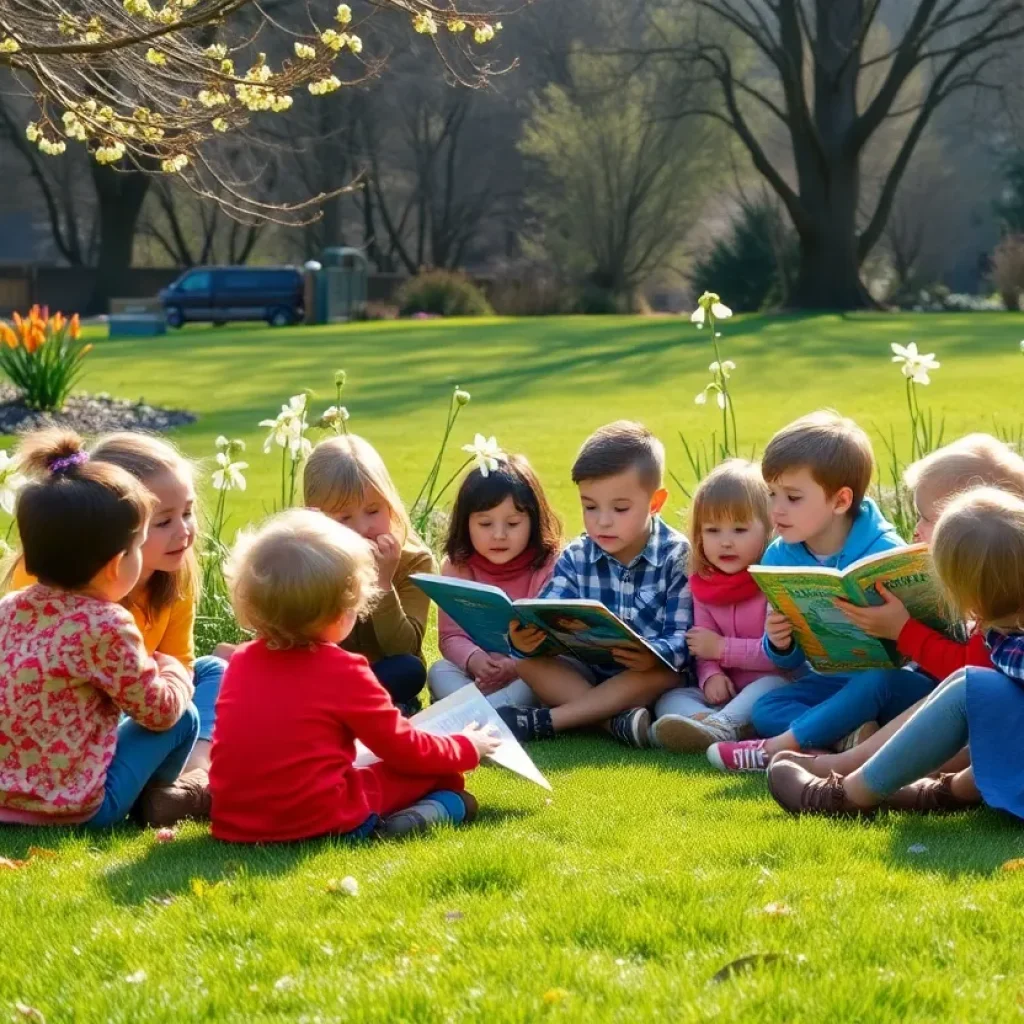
point(502, 532)
point(729, 530)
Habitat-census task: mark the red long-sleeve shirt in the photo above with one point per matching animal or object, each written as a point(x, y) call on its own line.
point(937, 654)
point(284, 743)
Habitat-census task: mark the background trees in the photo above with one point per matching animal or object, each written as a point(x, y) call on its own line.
point(883, 130)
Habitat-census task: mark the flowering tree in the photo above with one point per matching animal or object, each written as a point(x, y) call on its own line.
point(147, 84)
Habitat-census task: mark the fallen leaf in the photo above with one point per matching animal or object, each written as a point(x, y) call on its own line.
point(555, 995)
point(41, 852)
point(454, 915)
point(285, 983)
point(137, 978)
point(30, 1013)
point(1013, 865)
point(777, 910)
point(746, 963)
point(6, 864)
point(917, 848)
point(166, 835)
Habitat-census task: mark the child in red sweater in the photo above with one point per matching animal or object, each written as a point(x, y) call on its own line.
point(293, 704)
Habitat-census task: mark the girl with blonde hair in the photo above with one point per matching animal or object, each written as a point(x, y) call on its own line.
point(346, 479)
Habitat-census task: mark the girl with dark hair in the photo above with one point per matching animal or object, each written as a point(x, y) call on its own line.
point(502, 532)
point(72, 658)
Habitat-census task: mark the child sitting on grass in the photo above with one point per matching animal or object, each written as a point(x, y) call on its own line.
point(973, 461)
point(502, 532)
point(346, 479)
point(978, 549)
point(634, 563)
point(730, 523)
point(72, 658)
point(818, 470)
point(293, 703)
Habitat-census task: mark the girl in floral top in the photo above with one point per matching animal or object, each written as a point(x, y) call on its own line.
point(72, 659)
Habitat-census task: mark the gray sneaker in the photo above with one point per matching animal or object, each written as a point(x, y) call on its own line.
point(632, 728)
point(689, 735)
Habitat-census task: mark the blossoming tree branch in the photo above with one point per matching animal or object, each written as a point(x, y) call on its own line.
point(146, 84)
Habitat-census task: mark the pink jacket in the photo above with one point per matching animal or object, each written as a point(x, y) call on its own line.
point(455, 645)
point(742, 625)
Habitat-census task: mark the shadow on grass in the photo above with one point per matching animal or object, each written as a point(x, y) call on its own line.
point(196, 862)
point(974, 843)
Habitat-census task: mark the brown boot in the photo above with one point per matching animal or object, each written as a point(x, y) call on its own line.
point(928, 796)
point(809, 762)
point(162, 805)
point(800, 792)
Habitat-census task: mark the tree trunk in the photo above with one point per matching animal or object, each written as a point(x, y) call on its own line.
point(119, 196)
point(828, 165)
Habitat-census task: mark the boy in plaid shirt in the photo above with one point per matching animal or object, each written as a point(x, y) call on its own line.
point(631, 561)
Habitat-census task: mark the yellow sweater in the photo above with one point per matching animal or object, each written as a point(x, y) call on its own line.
point(398, 621)
point(169, 632)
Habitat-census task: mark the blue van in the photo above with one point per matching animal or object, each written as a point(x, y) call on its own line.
point(221, 295)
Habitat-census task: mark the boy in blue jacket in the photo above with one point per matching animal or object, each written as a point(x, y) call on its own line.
point(818, 470)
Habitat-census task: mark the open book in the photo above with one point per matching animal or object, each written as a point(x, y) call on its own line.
point(452, 714)
point(585, 629)
point(807, 596)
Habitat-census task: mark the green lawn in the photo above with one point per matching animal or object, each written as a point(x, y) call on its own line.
point(620, 896)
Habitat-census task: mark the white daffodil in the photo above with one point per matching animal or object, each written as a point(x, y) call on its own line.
point(229, 476)
point(286, 431)
point(701, 398)
point(485, 451)
point(11, 482)
point(1022, 348)
point(725, 367)
point(914, 364)
point(721, 399)
point(222, 443)
point(709, 302)
point(462, 397)
point(697, 316)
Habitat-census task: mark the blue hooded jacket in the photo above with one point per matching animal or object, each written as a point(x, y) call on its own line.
point(870, 534)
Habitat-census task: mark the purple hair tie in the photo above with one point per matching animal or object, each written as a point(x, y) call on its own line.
point(64, 463)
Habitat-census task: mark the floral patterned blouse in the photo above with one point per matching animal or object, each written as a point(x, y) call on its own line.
point(69, 665)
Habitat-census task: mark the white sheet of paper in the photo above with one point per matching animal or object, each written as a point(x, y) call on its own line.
point(452, 715)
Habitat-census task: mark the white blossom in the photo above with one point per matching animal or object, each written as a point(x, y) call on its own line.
point(485, 452)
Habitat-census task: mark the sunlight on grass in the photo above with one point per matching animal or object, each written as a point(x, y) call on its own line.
point(621, 895)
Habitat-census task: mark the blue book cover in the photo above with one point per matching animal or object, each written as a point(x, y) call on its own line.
point(587, 630)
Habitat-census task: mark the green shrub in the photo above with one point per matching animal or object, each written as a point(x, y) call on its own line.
point(755, 263)
point(442, 293)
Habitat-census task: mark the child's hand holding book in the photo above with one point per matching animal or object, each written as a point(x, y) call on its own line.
point(484, 738)
point(779, 631)
point(885, 621)
point(525, 639)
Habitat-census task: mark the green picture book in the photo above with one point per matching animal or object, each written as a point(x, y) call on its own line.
point(807, 596)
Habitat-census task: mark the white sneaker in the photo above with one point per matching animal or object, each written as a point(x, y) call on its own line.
point(689, 735)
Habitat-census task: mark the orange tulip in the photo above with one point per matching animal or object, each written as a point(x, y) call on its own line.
point(36, 337)
point(57, 323)
point(76, 328)
point(87, 349)
point(9, 338)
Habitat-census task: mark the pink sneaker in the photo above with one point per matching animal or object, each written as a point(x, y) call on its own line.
point(739, 756)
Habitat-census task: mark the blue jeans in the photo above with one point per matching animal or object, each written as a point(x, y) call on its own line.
point(209, 673)
point(144, 756)
point(822, 709)
point(932, 735)
point(402, 675)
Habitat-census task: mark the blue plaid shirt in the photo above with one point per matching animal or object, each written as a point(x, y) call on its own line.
point(1007, 653)
point(651, 594)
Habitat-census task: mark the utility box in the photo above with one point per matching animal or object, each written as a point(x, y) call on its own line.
point(136, 318)
point(341, 285)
